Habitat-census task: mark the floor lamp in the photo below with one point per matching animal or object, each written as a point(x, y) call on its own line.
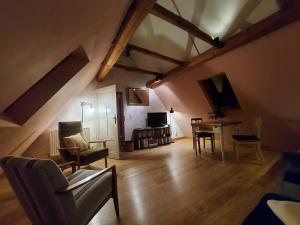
point(171, 112)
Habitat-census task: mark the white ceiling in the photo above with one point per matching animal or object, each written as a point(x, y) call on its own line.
point(218, 18)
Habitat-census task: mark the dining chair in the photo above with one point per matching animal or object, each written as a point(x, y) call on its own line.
point(201, 131)
point(251, 140)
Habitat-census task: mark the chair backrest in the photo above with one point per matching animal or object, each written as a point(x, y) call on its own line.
point(66, 129)
point(197, 125)
point(196, 121)
point(258, 124)
point(35, 183)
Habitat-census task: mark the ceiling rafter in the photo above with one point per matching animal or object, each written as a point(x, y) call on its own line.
point(183, 24)
point(131, 47)
point(138, 70)
point(273, 22)
point(135, 15)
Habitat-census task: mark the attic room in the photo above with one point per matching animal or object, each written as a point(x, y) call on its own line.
point(150, 112)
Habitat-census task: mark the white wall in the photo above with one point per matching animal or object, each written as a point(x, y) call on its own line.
point(73, 111)
point(135, 116)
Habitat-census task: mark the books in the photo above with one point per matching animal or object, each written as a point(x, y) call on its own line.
point(151, 137)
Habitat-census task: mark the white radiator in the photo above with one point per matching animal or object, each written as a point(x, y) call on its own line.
point(54, 141)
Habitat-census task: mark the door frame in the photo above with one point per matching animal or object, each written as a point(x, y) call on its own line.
point(111, 88)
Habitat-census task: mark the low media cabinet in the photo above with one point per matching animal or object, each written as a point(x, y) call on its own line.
point(151, 137)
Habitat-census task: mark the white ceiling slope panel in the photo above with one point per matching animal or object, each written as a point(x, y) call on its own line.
point(217, 18)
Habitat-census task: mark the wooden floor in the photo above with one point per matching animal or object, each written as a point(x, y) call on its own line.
point(170, 185)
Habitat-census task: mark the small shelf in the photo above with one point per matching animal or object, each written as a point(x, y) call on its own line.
point(151, 137)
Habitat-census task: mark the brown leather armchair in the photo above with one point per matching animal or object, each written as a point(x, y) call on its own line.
point(81, 158)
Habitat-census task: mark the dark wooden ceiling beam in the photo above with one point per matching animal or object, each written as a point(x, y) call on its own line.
point(135, 15)
point(178, 21)
point(131, 47)
point(137, 70)
point(273, 22)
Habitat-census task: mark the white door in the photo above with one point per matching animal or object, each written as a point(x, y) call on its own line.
point(107, 118)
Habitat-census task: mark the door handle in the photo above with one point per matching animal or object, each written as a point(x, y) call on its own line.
point(115, 118)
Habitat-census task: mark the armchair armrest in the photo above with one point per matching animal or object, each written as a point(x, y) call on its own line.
point(66, 165)
point(86, 180)
point(99, 141)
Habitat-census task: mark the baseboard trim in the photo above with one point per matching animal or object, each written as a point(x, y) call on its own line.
point(178, 138)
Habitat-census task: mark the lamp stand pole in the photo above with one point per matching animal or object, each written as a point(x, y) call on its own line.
point(171, 111)
point(81, 104)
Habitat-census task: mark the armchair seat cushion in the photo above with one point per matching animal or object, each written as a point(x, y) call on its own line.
point(89, 156)
point(89, 196)
point(292, 174)
point(294, 159)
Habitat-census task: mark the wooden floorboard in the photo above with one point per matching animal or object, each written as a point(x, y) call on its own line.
point(170, 185)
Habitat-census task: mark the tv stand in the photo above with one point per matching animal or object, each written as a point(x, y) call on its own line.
point(151, 137)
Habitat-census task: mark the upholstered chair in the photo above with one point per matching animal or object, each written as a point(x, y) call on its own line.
point(50, 198)
point(75, 153)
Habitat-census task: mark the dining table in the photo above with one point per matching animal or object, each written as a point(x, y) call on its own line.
point(218, 126)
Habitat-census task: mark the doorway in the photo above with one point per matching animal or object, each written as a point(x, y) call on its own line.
point(107, 120)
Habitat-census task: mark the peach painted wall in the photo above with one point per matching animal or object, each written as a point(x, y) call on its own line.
point(36, 35)
point(265, 75)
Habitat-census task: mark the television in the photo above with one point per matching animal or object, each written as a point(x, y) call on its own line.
point(219, 92)
point(157, 119)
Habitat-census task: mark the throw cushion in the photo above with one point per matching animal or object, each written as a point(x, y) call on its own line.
point(286, 211)
point(76, 140)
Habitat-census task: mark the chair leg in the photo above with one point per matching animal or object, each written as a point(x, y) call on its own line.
point(105, 158)
point(199, 147)
point(212, 144)
point(236, 151)
point(195, 147)
point(78, 160)
point(259, 152)
point(115, 192)
point(194, 142)
point(256, 152)
point(204, 143)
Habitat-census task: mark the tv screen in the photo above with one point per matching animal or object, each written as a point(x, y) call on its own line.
point(157, 119)
point(219, 92)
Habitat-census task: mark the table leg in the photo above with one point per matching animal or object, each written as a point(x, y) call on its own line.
point(237, 129)
point(222, 143)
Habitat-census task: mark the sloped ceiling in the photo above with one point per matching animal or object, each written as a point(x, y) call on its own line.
point(36, 36)
point(217, 18)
